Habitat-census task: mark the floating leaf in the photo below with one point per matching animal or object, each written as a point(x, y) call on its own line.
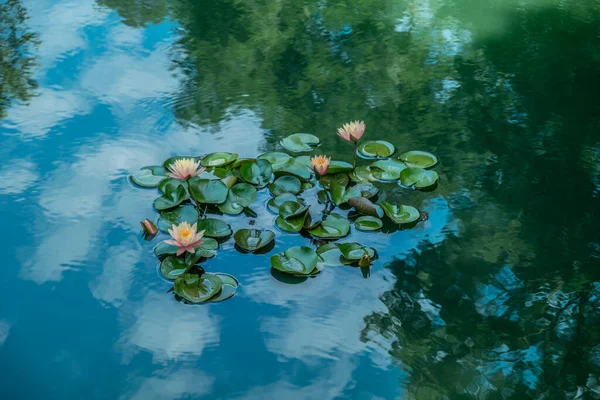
point(176, 216)
point(298, 142)
point(218, 159)
point(352, 251)
point(362, 174)
point(341, 179)
point(291, 209)
point(341, 195)
point(171, 267)
point(257, 173)
point(366, 206)
point(419, 177)
point(292, 216)
point(277, 159)
point(241, 161)
point(285, 184)
point(368, 223)
point(214, 228)
point(419, 159)
point(229, 181)
point(337, 167)
point(197, 289)
point(376, 149)
point(322, 196)
point(387, 170)
point(228, 288)
point(274, 204)
point(173, 197)
point(149, 177)
point(400, 214)
point(295, 168)
point(329, 254)
point(172, 183)
point(253, 239)
point(299, 260)
point(163, 249)
point(208, 191)
point(334, 226)
point(292, 225)
point(304, 160)
point(239, 197)
point(207, 249)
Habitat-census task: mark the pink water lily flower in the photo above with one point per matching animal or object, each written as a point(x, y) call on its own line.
point(185, 168)
point(186, 237)
point(352, 131)
point(320, 164)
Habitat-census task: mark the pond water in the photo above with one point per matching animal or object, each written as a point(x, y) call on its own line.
point(496, 295)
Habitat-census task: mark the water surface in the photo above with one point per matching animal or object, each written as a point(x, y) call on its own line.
point(496, 296)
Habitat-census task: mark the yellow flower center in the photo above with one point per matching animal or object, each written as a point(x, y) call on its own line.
point(185, 233)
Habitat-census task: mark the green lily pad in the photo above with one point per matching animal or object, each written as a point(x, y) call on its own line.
point(173, 197)
point(304, 160)
point(366, 206)
point(276, 158)
point(228, 288)
point(298, 142)
point(276, 202)
point(207, 249)
point(419, 177)
point(171, 160)
point(368, 223)
point(241, 161)
point(376, 149)
point(229, 181)
point(337, 167)
point(208, 191)
point(257, 173)
point(362, 174)
point(333, 227)
point(214, 228)
point(294, 168)
point(163, 249)
point(341, 195)
point(171, 183)
point(176, 216)
point(329, 254)
point(341, 179)
point(253, 239)
point(171, 267)
point(387, 170)
point(291, 209)
point(322, 196)
point(419, 159)
point(355, 251)
point(285, 184)
point(240, 196)
point(292, 225)
point(197, 288)
point(298, 260)
point(149, 177)
point(400, 214)
point(218, 159)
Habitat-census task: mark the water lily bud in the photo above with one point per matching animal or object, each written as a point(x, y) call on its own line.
point(365, 261)
point(150, 230)
point(352, 131)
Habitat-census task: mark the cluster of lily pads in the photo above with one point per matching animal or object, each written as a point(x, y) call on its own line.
point(308, 196)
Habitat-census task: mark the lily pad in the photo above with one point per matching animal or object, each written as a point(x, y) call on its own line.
point(366, 206)
point(400, 214)
point(329, 254)
point(376, 149)
point(171, 267)
point(298, 260)
point(229, 181)
point(163, 249)
point(276, 158)
point(362, 174)
point(171, 183)
point(291, 209)
point(337, 167)
point(304, 160)
point(173, 197)
point(419, 159)
point(257, 173)
point(253, 239)
point(208, 191)
point(292, 216)
point(341, 179)
point(240, 196)
point(355, 251)
point(294, 168)
point(176, 216)
point(274, 204)
point(292, 225)
point(333, 227)
point(214, 228)
point(419, 177)
point(285, 184)
point(298, 142)
point(228, 288)
point(218, 159)
point(368, 223)
point(149, 177)
point(197, 288)
point(387, 170)
point(207, 249)
point(341, 195)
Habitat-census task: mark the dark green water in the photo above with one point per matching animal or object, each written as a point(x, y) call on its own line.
point(496, 296)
